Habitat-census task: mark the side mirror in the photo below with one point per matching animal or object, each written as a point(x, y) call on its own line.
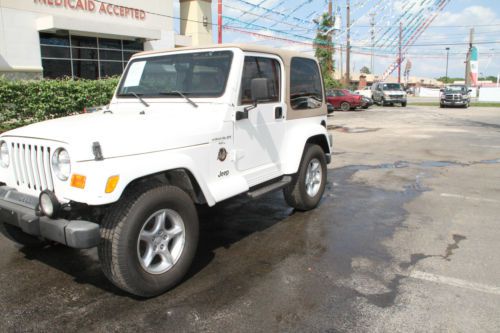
point(260, 89)
point(330, 108)
point(470, 90)
point(441, 90)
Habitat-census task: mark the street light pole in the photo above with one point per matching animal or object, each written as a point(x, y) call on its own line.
point(447, 58)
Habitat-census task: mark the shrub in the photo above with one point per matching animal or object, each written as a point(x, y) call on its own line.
point(25, 102)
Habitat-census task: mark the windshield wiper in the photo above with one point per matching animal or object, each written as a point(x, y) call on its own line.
point(176, 92)
point(136, 96)
point(140, 99)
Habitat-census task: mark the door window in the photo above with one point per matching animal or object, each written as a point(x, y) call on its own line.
point(260, 67)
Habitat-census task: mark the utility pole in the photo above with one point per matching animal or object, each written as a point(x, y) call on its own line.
point(219, 21)
point(469, 55)
point(372, 32)
point(330, 38)
point(348, 46)
point(447, 58)
point(400, 60)
point(341, 61)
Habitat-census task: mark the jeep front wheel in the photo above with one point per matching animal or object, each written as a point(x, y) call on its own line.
point(308, 185)
point(148, 240)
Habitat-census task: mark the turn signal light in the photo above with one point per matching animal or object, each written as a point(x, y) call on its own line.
point(78, 181)
point(111, 184)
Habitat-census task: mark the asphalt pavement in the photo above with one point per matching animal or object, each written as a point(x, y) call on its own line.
point(405, 240)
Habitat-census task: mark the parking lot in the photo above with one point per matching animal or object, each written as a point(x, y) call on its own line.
point(406, 239)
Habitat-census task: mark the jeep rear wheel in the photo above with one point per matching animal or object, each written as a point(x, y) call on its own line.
point(308, 185)
point(148, 240)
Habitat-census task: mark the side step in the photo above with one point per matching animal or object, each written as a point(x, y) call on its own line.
point(271, 187)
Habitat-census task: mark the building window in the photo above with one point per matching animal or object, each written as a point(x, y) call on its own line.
point(85, 57)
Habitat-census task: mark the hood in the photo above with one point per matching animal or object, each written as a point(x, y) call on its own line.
point(126, 131)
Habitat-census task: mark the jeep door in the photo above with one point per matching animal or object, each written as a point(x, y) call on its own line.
point(259, 137)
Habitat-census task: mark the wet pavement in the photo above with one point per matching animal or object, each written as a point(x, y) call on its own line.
point(405, 240)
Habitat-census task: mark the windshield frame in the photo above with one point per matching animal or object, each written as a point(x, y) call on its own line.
point(463, 89)
point(161, 95)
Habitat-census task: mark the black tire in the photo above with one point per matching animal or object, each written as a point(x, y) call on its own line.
point(345, 106)
point(403, 104)
point(118, 250)
point(295, 193)
point(441, 105)
point(382, 102)
point(18, 236)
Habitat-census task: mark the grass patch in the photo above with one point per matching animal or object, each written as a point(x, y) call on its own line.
point(475, 104)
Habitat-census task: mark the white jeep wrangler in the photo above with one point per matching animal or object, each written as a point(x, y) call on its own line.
point(185, 126)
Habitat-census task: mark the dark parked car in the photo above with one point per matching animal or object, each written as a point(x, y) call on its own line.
point(455, 95)
point(366, 102)
point(344, 99)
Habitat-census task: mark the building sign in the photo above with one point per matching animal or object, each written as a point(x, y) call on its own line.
point(91, 6)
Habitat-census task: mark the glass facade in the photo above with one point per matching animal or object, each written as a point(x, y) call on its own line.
point(85, 57)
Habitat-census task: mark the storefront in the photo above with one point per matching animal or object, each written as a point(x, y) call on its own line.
point(81, 38)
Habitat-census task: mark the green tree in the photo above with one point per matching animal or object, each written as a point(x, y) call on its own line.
point(448, 80)
point(324, 49)
point(365, 70)
point(491, 78)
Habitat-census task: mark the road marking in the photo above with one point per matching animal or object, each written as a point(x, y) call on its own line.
point(455, 282)
point(458, 196)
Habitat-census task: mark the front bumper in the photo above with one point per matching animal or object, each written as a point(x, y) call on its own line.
point(454, 102)
point(18, 209)
point(395, 100)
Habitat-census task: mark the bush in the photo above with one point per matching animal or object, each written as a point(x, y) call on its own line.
point(25, 102)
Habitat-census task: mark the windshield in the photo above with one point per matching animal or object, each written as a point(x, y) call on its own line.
point(202, 74)
point(456, 89)
point(391, 86)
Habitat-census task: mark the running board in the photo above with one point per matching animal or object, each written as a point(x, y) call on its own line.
point(270, 188)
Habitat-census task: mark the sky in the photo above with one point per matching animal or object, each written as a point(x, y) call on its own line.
point(288, 24)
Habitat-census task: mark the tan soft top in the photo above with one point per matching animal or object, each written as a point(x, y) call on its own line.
point(285, 55)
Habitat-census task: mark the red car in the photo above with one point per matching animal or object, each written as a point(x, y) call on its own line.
point(344, 99)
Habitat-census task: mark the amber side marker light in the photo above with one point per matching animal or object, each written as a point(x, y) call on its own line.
point(78, 181)
point(111, 184)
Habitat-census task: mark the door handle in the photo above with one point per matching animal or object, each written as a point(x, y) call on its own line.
point(278, 112)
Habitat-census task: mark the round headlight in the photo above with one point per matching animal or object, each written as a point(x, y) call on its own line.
point(4, 154)
point(61, 164)
point(48, 204)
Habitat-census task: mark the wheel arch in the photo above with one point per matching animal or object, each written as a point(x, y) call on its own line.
point(182, 178)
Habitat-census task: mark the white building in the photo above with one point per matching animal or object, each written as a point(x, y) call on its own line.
point(91, 38)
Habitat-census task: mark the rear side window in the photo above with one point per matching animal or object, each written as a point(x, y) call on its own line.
point(306, 91)
point(260, 67)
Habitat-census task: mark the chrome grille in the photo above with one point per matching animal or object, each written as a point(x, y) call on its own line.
point(453, 97)
point(31, 165)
